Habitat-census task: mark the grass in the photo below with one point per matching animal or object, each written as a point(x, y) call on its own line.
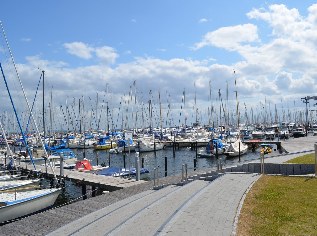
point(278, 205)
point(306, 159)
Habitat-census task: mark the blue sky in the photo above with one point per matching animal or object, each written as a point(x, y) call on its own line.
point(167, 46)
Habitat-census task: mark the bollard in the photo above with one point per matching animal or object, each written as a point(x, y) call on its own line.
point(109, 160)
point(157, 175)
point(183, 172)
point(84, 191)
point(262, 162)
point(195, 163)
point(165, 166)
point(93, 191)
point(174, 147)
point(239, 152)
point(315, 160)
point(186, 172)
point(142, 160)
point(154, 177)
point(124, 161)
point(137, 165)
point(220, 164)
point(61, 166)
point(45, 160)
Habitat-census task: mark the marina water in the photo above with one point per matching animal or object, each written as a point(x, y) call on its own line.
point(150, 161)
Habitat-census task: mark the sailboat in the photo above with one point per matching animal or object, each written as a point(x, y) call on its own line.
point(17, 204)
point(237, 147)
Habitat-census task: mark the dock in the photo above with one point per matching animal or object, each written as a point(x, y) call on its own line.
point(85, 178)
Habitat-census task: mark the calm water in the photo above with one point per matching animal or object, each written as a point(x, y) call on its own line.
point(156, 159)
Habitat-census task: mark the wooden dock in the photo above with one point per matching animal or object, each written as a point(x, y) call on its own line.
point(85, 178)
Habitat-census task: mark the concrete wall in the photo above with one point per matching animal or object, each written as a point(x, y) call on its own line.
point(270, 168)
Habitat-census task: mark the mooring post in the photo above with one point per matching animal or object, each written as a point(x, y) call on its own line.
point(183, 172)
point(315, 160)
point(262, 162)
point(137, 165)
point(174, 146)
point(124, 160)
point(45, 163)
point(93, 191)
point(239, 151)
point(165, 166)
point(84, 190)
point(61, 165)
point(109, 160)
point(154, 177)
point(217, 159)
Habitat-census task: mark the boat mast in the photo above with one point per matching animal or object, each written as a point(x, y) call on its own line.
point(43, 103)
point(25, 97)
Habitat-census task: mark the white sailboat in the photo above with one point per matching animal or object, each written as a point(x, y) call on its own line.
point(14, 205)
point(148, 145)
point(237, 147)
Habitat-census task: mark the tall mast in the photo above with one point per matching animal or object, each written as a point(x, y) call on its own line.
point(43, 110)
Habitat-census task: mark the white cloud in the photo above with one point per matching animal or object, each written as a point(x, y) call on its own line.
point(231, 37)
point(79, 49)
point(106, 54)
point(203, 20)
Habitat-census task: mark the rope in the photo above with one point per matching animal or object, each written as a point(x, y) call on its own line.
point(24, 94)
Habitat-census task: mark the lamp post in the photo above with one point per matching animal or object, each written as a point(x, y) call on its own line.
point(306, 101)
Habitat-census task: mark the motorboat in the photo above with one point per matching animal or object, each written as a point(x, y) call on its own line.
point(299, 132)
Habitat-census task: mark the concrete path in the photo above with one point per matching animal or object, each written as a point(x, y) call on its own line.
point(295, 147)
point(199, 207)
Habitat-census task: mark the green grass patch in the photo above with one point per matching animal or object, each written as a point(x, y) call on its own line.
point(279, 205)
point(305, 159)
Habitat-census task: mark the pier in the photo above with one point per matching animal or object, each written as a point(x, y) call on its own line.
point(86, 178)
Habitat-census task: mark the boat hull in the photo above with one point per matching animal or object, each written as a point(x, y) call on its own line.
point(32, 205)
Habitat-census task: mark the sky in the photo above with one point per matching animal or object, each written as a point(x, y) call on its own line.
point(187, 53)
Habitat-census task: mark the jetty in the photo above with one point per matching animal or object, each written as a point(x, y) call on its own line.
point(85, 178)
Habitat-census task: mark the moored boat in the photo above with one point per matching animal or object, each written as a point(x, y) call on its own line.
point(18, 204)
point(237, 148)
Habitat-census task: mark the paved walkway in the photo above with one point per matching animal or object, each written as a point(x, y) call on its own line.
point(200, 207)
